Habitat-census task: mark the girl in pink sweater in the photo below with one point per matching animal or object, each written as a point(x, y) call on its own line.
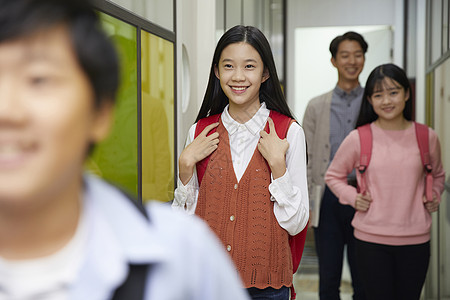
point(393, 219)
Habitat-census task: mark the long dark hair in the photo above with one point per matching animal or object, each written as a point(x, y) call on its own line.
point(374, 82)
point(270, 91)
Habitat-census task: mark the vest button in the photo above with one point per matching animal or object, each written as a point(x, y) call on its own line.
point(235, 186)
point(232, 218)
point(229, 248)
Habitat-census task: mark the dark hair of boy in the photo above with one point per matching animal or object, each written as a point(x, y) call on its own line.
point(94, 51)
point(350, 36)
point(374, 83)
point(270, 92)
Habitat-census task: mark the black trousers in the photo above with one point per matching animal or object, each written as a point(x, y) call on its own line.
point(331, 236)
point(392, 272)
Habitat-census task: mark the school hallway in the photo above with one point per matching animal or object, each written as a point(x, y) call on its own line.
point(166, 47)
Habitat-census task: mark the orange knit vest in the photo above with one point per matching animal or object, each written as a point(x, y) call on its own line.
point(241, 214)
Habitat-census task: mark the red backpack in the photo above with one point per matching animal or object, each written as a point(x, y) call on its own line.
point(365, 136)
point(282, 123)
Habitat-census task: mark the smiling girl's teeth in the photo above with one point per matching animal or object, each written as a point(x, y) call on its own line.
point(239, 88)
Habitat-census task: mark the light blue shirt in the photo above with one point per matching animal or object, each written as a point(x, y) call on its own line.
point(186, 258)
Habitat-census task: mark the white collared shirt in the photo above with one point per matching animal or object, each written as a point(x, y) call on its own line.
point(289, 192)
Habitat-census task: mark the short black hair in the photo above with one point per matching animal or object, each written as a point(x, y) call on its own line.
point(94, 51)
point(350, 36)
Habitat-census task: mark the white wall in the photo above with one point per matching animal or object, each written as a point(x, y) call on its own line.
point(196, 31)
point(159, 12)
point(313, 13)
point(441, 126)
point(420, 60)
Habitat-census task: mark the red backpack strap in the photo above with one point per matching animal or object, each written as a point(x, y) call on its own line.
point(424, 147)
point(281, 123)
point(296, 242)
point(201, 124)
point(365, 138)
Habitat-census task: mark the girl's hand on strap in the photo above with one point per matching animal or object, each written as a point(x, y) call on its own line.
point(431, 206)
point(362, 202)
point(201, 147)
point(273, 149)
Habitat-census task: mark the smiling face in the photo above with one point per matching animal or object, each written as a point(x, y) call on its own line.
point(47, 117)
point(241, 72)
point(388, 101)
point(349, 61)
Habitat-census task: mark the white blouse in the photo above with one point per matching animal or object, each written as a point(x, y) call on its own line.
point(289, 192)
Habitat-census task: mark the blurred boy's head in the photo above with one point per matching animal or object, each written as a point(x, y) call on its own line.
point(20, 19)
point(348, 56)
point(58, 80)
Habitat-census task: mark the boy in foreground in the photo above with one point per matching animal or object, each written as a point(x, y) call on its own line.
point(64, 234)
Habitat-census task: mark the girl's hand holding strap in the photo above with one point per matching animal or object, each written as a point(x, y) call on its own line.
point(431, 206)
point(202, 146)
point(273, 149)
point(362, 202)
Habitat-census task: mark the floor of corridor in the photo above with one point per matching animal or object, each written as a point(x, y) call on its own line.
point(306, 280)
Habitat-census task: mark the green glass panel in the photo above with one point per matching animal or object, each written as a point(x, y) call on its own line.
point(157, 118)
point(116, 159)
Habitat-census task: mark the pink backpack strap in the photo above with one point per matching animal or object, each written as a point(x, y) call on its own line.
point(424, 147)
point(365, 138)
point(201, 124)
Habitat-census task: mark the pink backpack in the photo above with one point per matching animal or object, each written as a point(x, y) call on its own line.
point(365, 136)
point(282, 123)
